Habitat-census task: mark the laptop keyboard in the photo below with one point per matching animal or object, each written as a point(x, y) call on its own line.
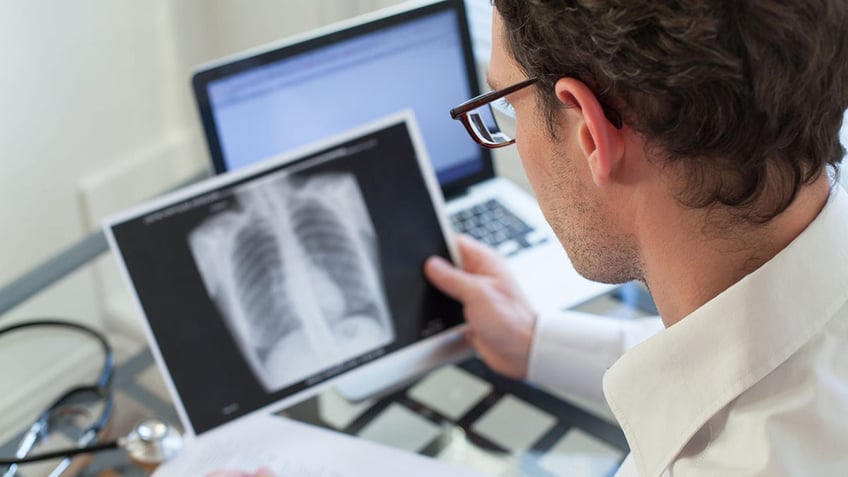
point(492, 223)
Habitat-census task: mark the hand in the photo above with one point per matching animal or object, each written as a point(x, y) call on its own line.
point(500, 319)
point(260, 472)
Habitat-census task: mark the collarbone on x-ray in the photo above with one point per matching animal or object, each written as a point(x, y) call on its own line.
point(293, 267)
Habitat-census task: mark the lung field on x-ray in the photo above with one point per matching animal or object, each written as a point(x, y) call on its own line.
point(322, 234)
point(296, 275)
point(260, 285)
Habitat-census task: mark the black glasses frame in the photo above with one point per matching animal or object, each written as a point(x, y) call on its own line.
point(463, 112)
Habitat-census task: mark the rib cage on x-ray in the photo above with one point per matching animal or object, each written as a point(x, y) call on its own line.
point(320, 231)
point(260, 283)
point(295, 273)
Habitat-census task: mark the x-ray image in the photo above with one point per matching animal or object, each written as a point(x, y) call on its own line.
point(292, 264)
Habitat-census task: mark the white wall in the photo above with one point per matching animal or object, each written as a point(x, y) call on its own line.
point(96, 113)
point(82, 86)
point(90, 84)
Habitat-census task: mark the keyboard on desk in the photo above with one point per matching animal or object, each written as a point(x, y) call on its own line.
point(492, 223)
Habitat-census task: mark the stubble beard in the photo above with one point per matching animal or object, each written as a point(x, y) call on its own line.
point(598, 250)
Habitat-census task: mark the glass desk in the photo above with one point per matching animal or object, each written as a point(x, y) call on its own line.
point(468, 415)
point(462, 413)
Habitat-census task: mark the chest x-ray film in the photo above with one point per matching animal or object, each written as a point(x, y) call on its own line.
point(260, 285)
point(291, 263)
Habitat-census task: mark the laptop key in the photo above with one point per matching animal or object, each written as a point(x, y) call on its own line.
point(493, 224)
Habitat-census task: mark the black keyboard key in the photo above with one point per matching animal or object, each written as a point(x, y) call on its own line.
point(492, 223)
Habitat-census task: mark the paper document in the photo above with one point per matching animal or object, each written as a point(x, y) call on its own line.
point(294, 449)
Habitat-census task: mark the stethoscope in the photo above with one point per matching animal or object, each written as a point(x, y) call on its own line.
point(152, 441)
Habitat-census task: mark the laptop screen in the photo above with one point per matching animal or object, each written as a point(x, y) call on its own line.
point(273, 101)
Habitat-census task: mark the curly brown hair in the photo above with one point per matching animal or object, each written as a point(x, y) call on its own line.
point(746, 95)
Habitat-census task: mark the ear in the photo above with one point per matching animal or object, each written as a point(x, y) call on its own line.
point(602, 143)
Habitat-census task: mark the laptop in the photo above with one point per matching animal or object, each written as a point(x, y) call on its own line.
point(276, 98)
point(261, 286)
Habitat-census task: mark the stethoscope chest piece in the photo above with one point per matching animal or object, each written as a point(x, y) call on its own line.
point(153, 441)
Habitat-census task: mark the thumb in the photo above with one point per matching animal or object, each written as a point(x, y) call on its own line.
point(454, 282)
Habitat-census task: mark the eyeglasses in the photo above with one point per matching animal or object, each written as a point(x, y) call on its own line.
point(482, 123)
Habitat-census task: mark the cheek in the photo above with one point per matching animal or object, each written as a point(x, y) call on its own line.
point(534, 149)
point(539, 156)
point(548, 166)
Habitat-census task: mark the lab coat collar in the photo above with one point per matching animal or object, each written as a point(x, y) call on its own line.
point(665, 389)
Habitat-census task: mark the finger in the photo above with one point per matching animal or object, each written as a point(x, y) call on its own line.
point(264, 472)
point(454, 282)
point(470, 336)
point(477, 257)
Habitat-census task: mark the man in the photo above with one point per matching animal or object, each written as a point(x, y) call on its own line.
point(686, 145)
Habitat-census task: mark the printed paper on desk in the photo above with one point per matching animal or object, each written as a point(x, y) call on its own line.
point(294, 449)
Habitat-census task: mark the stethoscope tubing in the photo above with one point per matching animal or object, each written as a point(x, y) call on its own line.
point(70, 452)
point(158, 442)
point(100, 387)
